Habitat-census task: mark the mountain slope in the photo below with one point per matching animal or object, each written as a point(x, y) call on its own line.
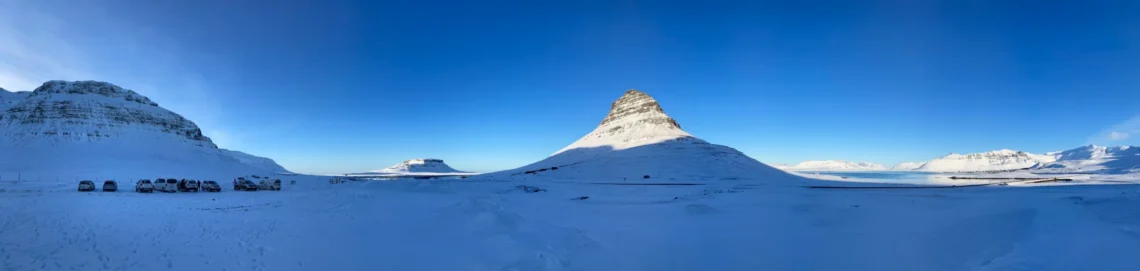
point(908, 166)
point(637, 139)
point(834, 165)
point(419, 167)
point(1095, 159)
point(998, 160)
point(90, 129)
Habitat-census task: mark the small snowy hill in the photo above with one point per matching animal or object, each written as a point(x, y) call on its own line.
point(420, 167)
point(834, 165)
point(1095, 159)
point(8, 99)
point(908, 166)
point(999, 160)
point(637, 139)
point(90, 129)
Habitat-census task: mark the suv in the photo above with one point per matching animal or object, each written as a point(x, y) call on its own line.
point(166, 185)
point(86, 185)
point(243, 184)
point(188, 185)
point(110, 186)
point(211, 186)
point(266, 184)
point(144, 186)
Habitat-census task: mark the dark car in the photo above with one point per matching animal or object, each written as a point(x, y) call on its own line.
point(86, 185)
point(188, 185)
point(246, 185)
point(211, 186)
point(110, 186)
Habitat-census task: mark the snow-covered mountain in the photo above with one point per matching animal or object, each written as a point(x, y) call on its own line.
point(8, 98)
point(1095, 159)
point(834, 165)
point(999, 160)
point(637, 140)
point(91, 129)
point(424, 166)
point(908, 166)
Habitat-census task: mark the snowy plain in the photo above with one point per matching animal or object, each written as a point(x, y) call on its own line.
point(493, 225)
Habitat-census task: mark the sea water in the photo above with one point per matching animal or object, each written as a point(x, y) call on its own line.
point(884, 176)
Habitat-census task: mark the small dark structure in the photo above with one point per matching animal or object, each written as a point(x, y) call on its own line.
point(646, 177)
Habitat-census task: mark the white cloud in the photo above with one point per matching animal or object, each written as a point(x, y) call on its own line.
point(1117, 136)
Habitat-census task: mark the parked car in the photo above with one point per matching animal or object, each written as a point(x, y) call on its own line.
point(267, 184)
point(243, 184)
point(166, 185)
point(86, 185)
point(110, 186)
point(188, 185)
point(211, 186)
point(144, 186)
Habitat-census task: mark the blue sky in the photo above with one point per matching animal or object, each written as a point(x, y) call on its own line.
point(343, 86)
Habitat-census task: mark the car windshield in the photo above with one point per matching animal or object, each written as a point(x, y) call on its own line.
point(146, 181)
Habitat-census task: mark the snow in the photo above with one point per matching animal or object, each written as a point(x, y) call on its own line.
point(96, 130)
point(423, 166)
point(834, 165)
point(998, 160)
point(470, 225)
point(638, 143)
point(908, 166)
point(1095, 159)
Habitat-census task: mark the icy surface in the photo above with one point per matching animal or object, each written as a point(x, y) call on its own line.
point(834, 165)
point(466, 225)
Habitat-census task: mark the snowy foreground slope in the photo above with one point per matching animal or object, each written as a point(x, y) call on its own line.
point(637, 142)
point(96, 130)
point(834, 165)
point(465, 225)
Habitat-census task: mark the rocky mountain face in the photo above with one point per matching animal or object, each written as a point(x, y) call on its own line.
point(638, 142)
point(425, 165)
point(999, 160)
point(835, 165)
point(635, 119)
point(91, 110)
point(71, 129)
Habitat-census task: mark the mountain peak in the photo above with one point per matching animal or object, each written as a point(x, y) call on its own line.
point(91, 87)
point(635, 119)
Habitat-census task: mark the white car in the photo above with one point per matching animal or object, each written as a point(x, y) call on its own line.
point(267, 184)
point(144, 186)
point(166, 185)
point(86, 185)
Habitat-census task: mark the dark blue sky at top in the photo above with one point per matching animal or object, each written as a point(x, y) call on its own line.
point(339, 86)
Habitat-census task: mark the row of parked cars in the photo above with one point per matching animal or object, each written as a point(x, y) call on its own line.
point(185, 185)
point(162, 185)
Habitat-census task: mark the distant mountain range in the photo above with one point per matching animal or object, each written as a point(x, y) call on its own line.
point(832, 165)
point(1084, 159)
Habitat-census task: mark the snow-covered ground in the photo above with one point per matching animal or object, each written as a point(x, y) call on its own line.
point(488, 225)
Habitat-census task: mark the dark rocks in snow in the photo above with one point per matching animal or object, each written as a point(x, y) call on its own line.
point(645, 177)
point(581, 198)
point(530, 189)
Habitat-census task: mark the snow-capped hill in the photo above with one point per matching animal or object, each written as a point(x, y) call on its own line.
point(92, 110)
point(999, 160)
point(834, 165)
point(635, 119)
point(638, 142)
point(96, 129)
point(425, 165)
point(908, 166)
point(1095, 159)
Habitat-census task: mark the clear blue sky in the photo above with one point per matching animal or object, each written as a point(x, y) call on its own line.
point(343, 86)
